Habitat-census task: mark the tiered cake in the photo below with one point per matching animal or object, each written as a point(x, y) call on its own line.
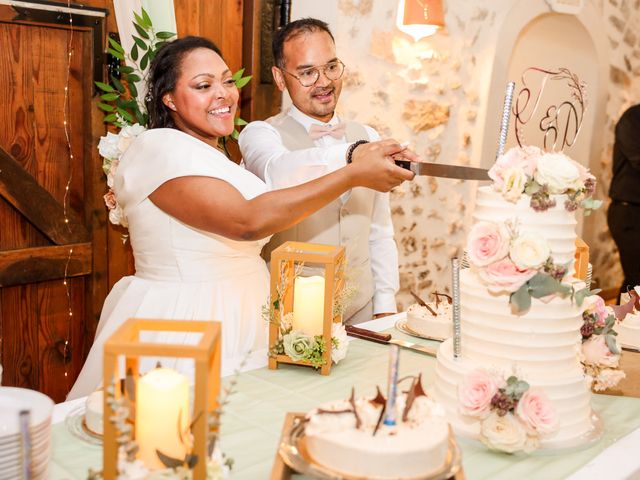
point(519, 316)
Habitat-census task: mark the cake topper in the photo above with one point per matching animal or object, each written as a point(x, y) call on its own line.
point(561, 122)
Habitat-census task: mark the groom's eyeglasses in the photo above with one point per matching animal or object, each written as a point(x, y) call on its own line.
point(309, 76)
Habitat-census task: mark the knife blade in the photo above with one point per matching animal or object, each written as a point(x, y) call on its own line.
point(445, 171)
point(386, 339)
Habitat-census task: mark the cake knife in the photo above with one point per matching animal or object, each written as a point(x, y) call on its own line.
point(444, 171)
point(386, 339)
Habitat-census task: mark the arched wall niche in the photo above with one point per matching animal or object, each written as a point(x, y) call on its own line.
point(531, 35)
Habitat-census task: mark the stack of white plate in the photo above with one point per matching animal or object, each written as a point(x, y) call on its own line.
point(12, 448)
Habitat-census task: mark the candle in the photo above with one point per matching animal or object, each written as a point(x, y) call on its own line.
point(162, 407)
point(308, 304)
point(392, 385)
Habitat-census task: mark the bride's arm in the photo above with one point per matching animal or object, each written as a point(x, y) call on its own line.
point(215, 206)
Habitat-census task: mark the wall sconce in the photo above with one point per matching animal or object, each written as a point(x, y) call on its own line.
point(420, 18)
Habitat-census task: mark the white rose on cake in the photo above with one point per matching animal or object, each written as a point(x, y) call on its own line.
point(514, 182)
point(529, 251)
point(505, 433)
point(558, 172)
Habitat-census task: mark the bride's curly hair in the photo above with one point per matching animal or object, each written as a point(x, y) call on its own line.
point(163, 75)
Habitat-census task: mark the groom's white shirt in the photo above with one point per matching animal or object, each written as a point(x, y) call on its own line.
point(265, 155)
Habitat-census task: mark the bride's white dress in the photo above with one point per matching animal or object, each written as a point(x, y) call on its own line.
point(183, 273)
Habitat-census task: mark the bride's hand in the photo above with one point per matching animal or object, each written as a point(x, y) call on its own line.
point(373, 167)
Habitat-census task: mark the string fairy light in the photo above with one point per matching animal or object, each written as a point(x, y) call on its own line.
point(65, 202)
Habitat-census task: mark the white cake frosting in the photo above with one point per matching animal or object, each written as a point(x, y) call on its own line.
point(413, 448)
point(93, 412)
point(629, 330)
point(540, 346)
point(420, 320)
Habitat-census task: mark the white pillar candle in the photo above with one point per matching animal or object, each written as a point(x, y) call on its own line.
point(162, 407)
point(308, 304)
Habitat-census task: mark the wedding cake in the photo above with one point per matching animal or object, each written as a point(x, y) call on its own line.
point(629, 330)
point(349, 438)
point(432, 320)
point(518, 383)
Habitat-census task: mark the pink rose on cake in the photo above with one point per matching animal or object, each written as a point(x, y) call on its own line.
point(505, 433)
point(558, 172)
point(505, 276)
point(488, 242)
point(594, 305)
point(596, 351)
point(519, 159)
point(476, 391)
point(537, 412)
point(529, 251)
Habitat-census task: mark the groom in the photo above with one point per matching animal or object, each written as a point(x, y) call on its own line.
point(308, 141)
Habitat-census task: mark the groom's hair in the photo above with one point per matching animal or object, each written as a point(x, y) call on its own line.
point(293, 29)
point(163, 75)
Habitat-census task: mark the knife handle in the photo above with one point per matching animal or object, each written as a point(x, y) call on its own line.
point(406, 164)
point(367, 334)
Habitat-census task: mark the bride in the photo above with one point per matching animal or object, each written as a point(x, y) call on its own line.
point(197, 221)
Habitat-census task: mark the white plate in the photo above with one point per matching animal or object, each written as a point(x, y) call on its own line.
point(77, 427)
point(13, 399)
point(402, 325)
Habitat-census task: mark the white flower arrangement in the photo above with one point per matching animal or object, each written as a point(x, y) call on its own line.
point(600, 352)
point(513, 416)
point(111, 147)
point(516, 263)
point(531, 171)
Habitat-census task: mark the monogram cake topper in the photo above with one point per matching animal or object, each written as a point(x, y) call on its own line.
point(561, 122)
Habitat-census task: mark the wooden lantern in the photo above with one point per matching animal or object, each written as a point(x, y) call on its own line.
point(206, 355)
point(581, 259)
point(284, 260)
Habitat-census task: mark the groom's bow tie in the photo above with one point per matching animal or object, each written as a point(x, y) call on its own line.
point(319, 131)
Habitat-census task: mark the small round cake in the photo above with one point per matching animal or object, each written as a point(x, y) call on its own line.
point(629, 330)
point(433, 321)
point(93, 412)
point(348, 437)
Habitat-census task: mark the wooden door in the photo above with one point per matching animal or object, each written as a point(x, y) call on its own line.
point(52, 221)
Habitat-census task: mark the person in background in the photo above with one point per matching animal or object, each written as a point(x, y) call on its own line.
point(197, 221)
point(624, 212)
point(309, 140)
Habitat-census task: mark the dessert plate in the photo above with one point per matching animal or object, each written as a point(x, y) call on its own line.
point(402, 325)
point(74, 422)
point(293, 452)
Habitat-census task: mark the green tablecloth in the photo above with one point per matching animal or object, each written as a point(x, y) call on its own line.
point(252, 422)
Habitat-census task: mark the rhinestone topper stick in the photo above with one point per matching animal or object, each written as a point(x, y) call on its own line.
point(506, 113)
point(455, 285)
point(392, 385)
